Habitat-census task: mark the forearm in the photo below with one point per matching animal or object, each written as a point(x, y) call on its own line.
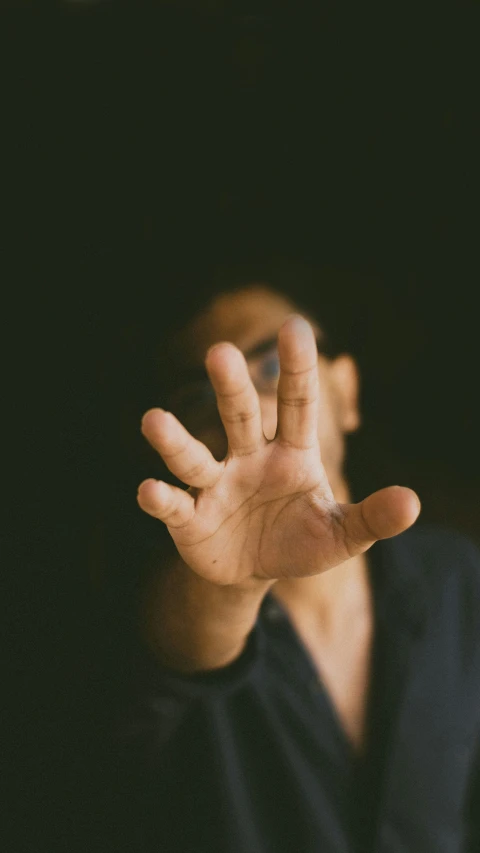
point(192, 625)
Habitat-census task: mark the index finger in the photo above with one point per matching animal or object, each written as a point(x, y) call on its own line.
point(298, 384)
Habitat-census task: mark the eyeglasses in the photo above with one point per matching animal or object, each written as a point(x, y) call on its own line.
point(194, 403)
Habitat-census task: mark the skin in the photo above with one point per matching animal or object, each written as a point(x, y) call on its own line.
point(275, 511)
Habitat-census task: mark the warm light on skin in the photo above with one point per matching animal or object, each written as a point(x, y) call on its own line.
point(319, 605)
point(250, 316)
point(247, 318)
point(267, 513)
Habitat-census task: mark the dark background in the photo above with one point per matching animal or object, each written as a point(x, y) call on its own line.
point(342, 136)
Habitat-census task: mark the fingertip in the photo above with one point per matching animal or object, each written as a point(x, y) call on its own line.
point(146, 482)
point(415, 504)
point(214, 346)
point(151, 414)
point(296, 338)
point(396, 509)
point(410, 501)
point(295, 323)
point(146, 493)
point(215, 354)
point(151, 495)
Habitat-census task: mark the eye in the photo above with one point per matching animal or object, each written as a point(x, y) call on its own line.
point(269, 367)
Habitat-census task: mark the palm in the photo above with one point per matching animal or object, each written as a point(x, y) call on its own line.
point(252, 521)
point(267, 510)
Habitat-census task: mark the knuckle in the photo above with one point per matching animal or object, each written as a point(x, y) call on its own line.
point(172, 511)
point(241, 417)
point(178, 517)
point(244, 449)
point(297, 445)
point(304, 371)
point(231, 394)
point(368, 529)
point(194, 471)
point(177, 451)
point(298, 401)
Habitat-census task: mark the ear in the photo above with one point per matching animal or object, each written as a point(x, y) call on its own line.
point(346, 385)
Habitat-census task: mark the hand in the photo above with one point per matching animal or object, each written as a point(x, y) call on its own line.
point(267, 510)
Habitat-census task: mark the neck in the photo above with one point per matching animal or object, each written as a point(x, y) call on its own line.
point(333, 596)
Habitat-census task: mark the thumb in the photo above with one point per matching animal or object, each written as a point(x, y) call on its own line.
point(385, 513)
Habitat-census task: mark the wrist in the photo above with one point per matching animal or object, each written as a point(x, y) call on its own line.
point(192, 624)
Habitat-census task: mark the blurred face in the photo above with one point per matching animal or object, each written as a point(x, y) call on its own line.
point(250, 318)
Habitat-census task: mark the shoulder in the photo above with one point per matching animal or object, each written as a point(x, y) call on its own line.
point(440, 550)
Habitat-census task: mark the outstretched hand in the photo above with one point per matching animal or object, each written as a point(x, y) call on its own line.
point(267, 510)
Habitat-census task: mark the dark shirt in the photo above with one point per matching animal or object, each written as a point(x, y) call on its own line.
point(253, 758)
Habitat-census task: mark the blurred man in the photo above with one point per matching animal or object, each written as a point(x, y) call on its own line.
point(308, 671)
